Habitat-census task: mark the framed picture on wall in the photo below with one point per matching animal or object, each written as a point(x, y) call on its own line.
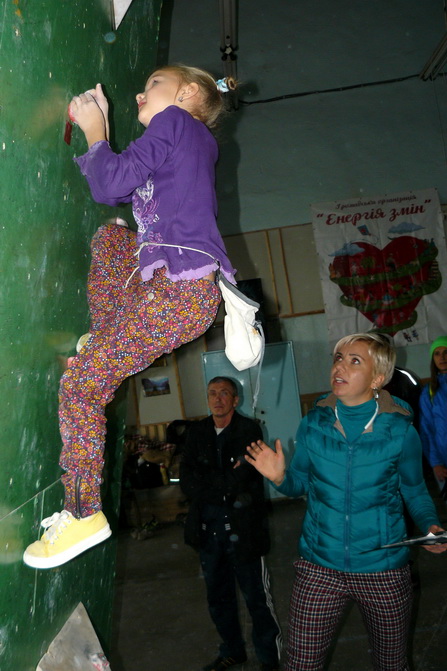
point(155, 386)
point(156, 396)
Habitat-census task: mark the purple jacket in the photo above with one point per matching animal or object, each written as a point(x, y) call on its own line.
point(168, 174)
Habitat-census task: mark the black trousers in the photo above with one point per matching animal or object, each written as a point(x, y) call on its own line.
point(222, 573)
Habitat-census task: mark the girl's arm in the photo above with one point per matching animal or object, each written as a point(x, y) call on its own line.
point(114, 177)
point(438, 454)
point(426, 425)
point(413, 487)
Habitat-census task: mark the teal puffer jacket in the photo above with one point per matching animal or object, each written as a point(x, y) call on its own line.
point(355, 491)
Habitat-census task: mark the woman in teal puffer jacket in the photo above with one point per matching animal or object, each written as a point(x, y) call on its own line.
point(357, 457)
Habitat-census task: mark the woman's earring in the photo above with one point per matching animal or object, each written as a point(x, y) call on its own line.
point(376, 393)
point(180, 99)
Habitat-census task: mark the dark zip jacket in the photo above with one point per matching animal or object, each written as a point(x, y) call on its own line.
point(210, 481)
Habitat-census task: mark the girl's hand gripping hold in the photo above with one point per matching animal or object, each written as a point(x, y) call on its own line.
point(90, 111)
point(98, 94)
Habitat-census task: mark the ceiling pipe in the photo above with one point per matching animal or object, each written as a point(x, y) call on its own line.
point(229, 43)
point(436, 61)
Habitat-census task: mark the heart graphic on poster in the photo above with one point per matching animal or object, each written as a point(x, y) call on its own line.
point(386, 285)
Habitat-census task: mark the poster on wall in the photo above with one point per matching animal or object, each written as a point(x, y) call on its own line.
point(382, 264)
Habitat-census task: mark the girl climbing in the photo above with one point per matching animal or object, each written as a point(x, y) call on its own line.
point(168, 174)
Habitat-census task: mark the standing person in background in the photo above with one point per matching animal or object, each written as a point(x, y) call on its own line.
point(169, 176)
point(357, 457)
point(227, 524)
point(433, 414)
point(404, 384)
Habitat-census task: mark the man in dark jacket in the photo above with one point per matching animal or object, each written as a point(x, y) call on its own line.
point(227, 524)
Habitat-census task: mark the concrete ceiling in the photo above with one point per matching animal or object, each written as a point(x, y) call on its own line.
point(365, 138)
point(291, 46)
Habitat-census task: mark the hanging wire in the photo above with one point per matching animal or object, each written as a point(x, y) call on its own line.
point(333, 90)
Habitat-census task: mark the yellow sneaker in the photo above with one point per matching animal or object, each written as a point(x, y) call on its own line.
point(66, 537)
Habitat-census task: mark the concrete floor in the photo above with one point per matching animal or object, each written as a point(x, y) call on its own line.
point(161, 621)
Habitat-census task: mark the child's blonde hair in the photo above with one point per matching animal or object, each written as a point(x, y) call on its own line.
point(212, 103)
point(380, 349)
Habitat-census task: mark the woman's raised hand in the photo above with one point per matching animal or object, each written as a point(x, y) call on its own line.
point(270, 463)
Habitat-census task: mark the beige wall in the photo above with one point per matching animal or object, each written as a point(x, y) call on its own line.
point(286, 261)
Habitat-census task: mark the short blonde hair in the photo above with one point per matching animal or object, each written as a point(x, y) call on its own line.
point(212, 103)
point(380, 349)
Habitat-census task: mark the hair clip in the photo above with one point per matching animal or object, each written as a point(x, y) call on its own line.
point(222, 86)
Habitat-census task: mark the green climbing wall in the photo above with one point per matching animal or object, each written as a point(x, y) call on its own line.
point(50, 50)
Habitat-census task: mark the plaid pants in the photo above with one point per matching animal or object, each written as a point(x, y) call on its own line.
point(318, 599)
point(130, 328)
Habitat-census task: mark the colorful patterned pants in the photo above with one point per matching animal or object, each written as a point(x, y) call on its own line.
point(130, 328)
point(319, 597)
